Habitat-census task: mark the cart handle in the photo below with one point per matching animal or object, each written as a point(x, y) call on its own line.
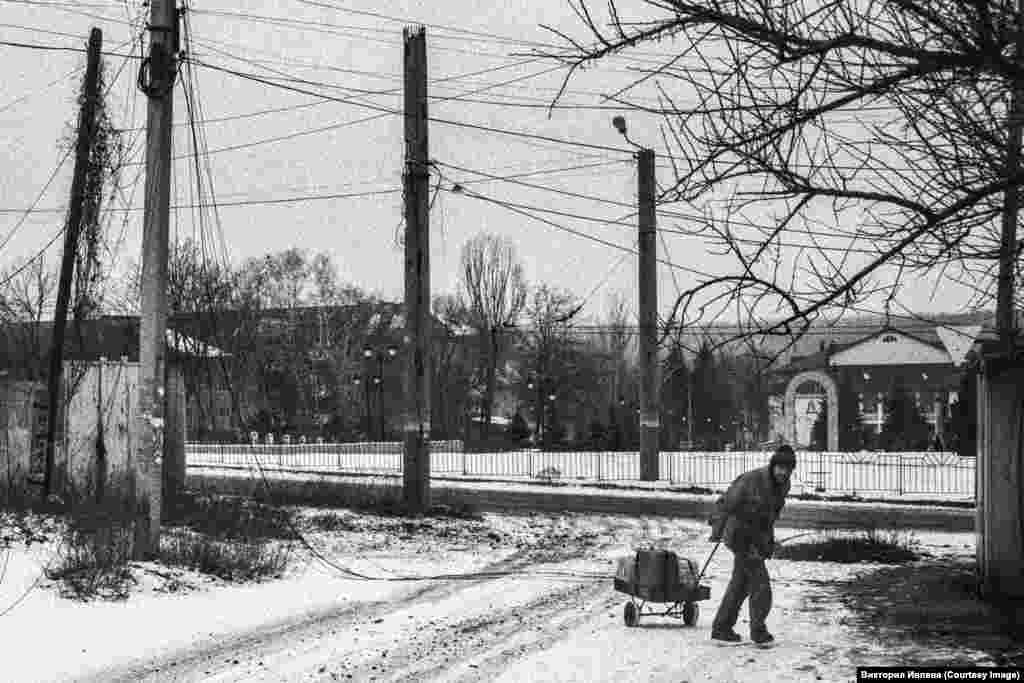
point(708, 561)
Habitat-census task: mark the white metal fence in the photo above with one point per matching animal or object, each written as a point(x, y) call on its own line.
point(941, 475)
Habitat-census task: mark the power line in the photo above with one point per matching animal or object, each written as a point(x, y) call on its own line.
point(36, 29)
point(492, 37)
point(344, 124)
point(58, 48)
point(19, 100)
point(345, 31)
point(32, 260)
point(449, 122)
point(608, 275)
point(73, 8)
point(672, 214)
point(516, 208)
point(32, 208)
point(339, 195)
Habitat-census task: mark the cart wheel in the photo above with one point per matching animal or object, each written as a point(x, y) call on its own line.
point(691, 611)
point(630, 614)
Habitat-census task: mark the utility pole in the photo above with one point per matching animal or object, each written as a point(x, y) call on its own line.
point(1005, 313)
point(86, 133)
point(999, 508)
point(650, 404)
point(416, 447)
point(157, 81)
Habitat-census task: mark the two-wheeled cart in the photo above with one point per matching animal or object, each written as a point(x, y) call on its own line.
point(661, 577)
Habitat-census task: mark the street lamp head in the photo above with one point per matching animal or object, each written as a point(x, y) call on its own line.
point(551, 397)
point(376, 380)
point(367, 352)
point(357, 381)
point(392, 351)
point(529, 385)
point(620, 124)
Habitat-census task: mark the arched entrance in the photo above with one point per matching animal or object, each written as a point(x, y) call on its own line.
point(811, 386)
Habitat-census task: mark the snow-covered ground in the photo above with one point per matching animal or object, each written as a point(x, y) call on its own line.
point(545, 611)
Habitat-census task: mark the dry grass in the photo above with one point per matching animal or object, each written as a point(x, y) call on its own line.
point(235, 559)
point(95, 553)
point(231, 537)
point(864, 545)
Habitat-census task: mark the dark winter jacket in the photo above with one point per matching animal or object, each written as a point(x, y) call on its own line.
point(746, 513)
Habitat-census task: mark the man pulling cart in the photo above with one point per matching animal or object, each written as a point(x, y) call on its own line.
point(745, 521)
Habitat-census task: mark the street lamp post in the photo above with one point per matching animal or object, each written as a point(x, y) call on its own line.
point(366, 405)
point(551, 422)
point(380, 355)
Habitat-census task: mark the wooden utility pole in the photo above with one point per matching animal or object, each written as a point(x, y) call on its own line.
point(86, 133)
point(650, 403)
point(416, 452)
point(157, 82)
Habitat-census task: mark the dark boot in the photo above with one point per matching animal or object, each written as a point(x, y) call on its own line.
point(726, 636)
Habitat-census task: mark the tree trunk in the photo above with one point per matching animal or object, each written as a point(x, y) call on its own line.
point(492, 371)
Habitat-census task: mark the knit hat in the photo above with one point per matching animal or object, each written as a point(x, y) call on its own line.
point(783, 455)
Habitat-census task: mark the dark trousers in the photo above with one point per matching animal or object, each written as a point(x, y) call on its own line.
point(749, 580)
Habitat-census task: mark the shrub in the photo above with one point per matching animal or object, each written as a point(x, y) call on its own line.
point(231, 537)
point(229, 559)
point(864, 545)
point(95, 554)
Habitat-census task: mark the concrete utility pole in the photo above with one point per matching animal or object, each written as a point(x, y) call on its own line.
point(86, 133)
point(1000, 476)
point(416, 460)
point(1005, 315)
point(160, 67)
point(650, 403)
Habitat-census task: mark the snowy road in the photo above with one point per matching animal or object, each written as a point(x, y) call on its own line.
point(528, 624)
point(538, 615)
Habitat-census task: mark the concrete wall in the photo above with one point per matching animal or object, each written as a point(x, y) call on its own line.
point(96, 459)
point(16, 424)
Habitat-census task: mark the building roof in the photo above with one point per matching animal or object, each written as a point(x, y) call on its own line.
point(112, 337)
point(951, 341)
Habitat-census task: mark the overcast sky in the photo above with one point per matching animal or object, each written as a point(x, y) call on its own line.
point(352, 51)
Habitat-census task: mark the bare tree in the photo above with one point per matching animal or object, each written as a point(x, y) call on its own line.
point(614, 340)
point(452, 365)
point(493, 284)
point(26, 298)
point(869, 138)
point(560, 371)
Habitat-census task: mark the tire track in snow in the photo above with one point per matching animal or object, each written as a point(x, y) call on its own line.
point(201, 663)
